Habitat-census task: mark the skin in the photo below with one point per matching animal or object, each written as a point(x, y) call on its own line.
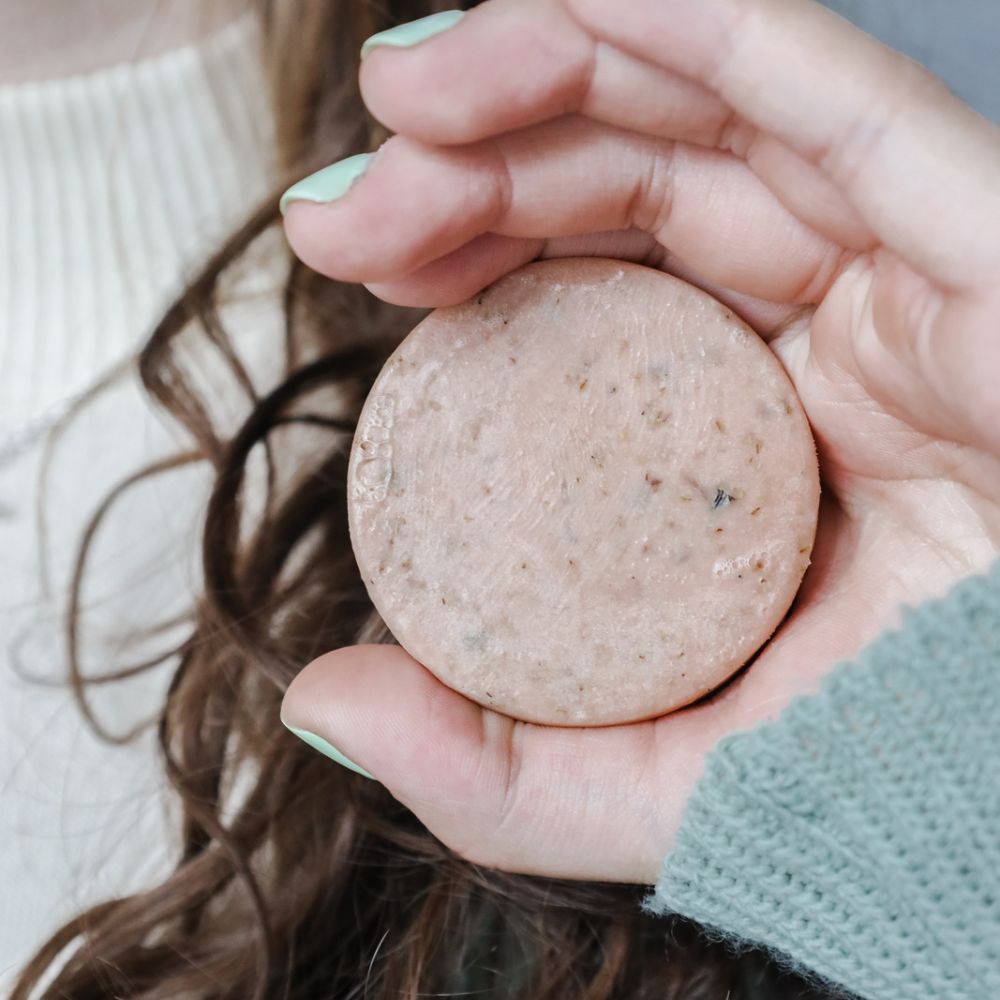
point(827, 189)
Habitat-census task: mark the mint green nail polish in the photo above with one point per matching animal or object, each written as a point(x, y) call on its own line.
point(318, 743)
point(329, 183)
point(405, 35)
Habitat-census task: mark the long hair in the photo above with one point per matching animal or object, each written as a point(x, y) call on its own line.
point(305, 881)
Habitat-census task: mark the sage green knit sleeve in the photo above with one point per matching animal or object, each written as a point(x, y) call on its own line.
point(857, 836)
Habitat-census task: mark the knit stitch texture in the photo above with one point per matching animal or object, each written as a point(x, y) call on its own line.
point(857, 836)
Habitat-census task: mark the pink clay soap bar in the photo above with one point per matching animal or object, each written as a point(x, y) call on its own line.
point(586, 496)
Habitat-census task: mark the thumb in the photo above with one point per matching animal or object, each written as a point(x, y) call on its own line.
point(498, 791)
point(376, 710)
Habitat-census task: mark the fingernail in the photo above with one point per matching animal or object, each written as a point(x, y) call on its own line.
point(405, 35)
point(318, 743)
point(327, 184)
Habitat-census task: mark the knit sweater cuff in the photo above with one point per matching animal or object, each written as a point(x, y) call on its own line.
point(857, 837)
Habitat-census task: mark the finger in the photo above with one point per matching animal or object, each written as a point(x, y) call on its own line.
point(459, 275)
point(805, 190)
point(916, 163)
point(560, 69)
point(766, 318)
point(620, 90)
point(641, 97)
point(511, 795)
point(563, 178)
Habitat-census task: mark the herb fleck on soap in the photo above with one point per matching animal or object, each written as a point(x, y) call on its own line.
point(721, 498)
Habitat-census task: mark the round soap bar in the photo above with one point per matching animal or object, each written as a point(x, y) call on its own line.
point(586, 496)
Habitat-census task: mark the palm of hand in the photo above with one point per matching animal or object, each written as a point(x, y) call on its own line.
point(878, 329)
point(906, 513)
point(907, 510)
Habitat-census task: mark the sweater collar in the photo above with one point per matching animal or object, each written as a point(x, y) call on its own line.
point(114, 185)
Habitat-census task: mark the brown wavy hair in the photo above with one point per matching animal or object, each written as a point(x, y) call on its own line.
point(313, 882)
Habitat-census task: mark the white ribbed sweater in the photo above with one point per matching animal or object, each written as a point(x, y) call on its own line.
point(110, 186)
point(114, 186)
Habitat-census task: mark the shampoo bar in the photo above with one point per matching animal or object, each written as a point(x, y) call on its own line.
point(586, 496)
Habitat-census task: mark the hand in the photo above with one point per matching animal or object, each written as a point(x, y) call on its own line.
point(828, 190)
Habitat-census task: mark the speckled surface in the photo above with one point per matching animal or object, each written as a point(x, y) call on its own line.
point(585, 497)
